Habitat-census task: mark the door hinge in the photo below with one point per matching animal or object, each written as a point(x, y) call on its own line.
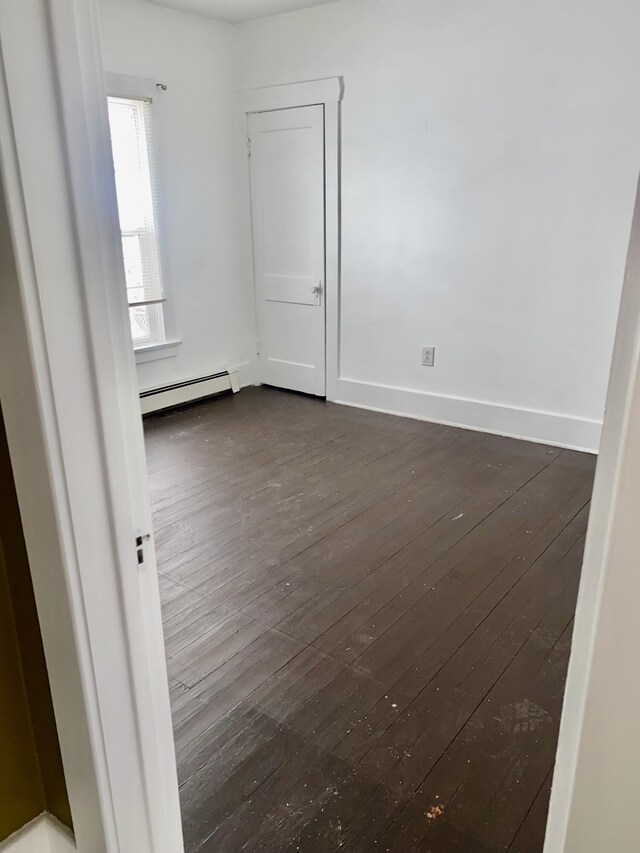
point(248, 142)
point(257, 347)
point(141, 538)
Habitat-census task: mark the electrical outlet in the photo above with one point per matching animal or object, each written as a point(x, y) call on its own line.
point(428, 356)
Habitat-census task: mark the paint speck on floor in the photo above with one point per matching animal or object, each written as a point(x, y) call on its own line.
point(435, 812)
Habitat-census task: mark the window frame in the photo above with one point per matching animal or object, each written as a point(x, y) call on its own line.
point(161, 316)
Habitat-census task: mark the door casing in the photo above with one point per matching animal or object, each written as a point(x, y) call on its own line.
point(327, 92)
point(70, 403)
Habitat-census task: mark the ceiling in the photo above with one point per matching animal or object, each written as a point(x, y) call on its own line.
point(234, 11)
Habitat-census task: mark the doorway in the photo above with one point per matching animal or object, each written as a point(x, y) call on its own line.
point(287, 211)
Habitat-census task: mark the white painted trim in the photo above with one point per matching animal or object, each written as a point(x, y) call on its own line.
point(325, 91)
point(332, 241)
point(329, 93)
point(44, 834)
point(154, 352)
point(516, 422)
point(135, 709)
point(245, 373)
point(125, 86)
point(69, 397)
point(596, 786)
point(27, 397)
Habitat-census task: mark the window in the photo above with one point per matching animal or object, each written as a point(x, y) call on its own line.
point(129, 122)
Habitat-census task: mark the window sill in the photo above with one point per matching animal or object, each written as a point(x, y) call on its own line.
point(153, 352)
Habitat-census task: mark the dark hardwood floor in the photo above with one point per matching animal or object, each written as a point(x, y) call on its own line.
point(367, 624)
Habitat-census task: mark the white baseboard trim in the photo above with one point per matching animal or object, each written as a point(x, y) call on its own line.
point(559, 430)
point(246, 373)
point(44, 834)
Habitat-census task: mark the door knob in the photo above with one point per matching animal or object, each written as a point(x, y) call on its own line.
point(316, 288)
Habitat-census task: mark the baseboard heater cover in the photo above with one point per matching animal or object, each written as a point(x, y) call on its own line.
point(189, 391)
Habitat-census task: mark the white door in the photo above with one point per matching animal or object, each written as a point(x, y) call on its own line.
point(287, 204)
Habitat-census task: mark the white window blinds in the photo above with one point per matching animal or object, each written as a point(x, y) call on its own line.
point(133, 162)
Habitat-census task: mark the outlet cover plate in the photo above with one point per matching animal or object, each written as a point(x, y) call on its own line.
point(428, 356)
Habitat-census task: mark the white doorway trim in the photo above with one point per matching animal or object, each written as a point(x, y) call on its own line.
point(70, 403)
point(596, 786)
point(327, 92)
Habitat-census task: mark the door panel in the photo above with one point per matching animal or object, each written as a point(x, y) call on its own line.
point(287, 206)
point(300, 290)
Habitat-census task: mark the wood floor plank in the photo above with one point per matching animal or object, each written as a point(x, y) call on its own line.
point(367, 624)
point(523, 591)
point(530, 836)
point(346, 500)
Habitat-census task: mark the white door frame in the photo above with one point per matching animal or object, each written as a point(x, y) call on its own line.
point(70, 402)
point(596, 786)
point(328, 93)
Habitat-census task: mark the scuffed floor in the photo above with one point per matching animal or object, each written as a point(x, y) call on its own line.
point(367, 622)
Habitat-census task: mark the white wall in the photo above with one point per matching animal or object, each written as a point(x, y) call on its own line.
point(489, 158)
point(596, 785)
point(205, 261)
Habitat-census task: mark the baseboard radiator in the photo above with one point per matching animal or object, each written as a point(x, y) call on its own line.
point(169, 396)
